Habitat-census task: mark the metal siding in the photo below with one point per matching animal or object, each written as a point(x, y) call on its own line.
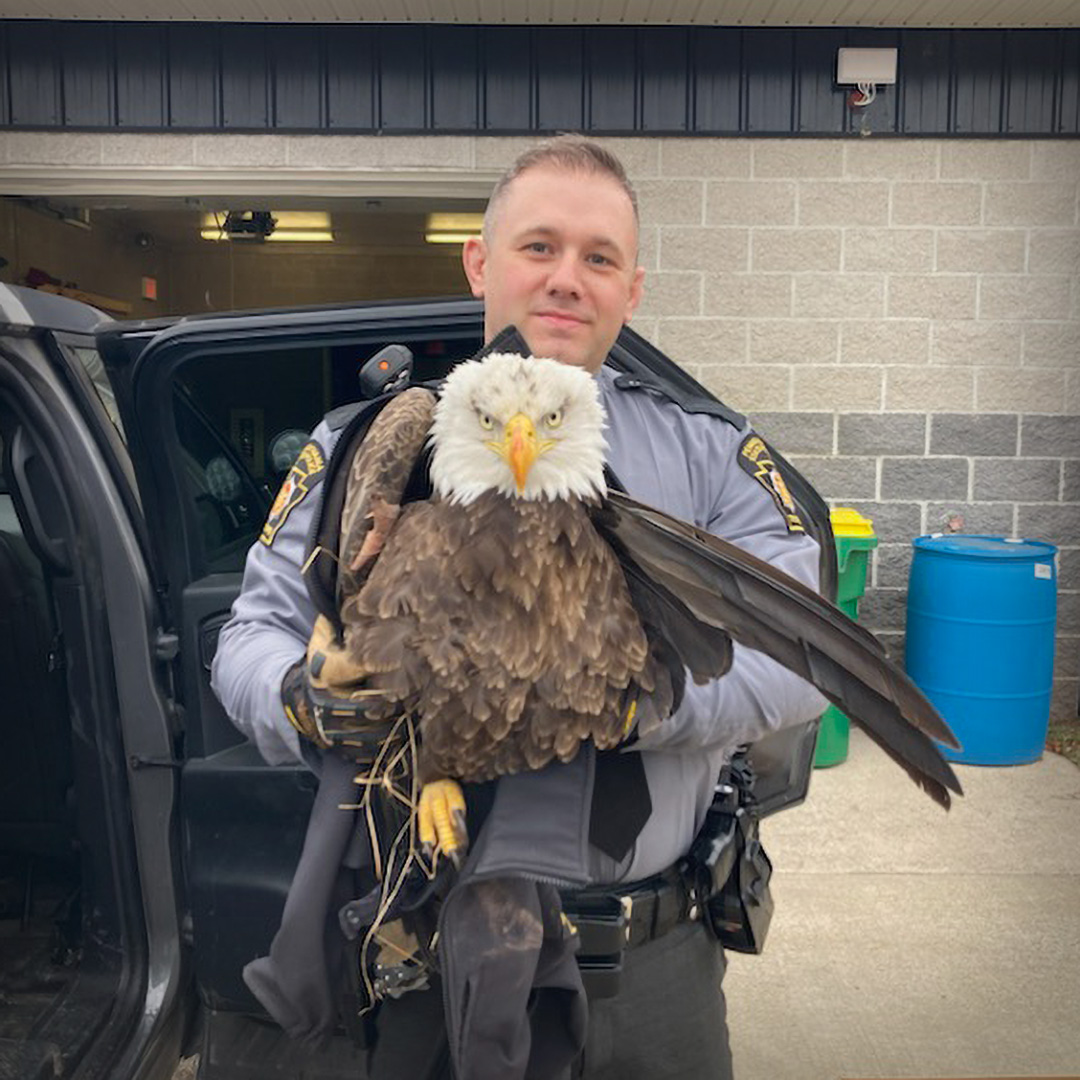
point(194, 67)
point(298, 77)
point(245, 86)
point(87, 85)
point(455, 79)
point(508, 84)
point(663, 53)
point(1032, 72)
point(924, 81)
point(611, 71)
point(33, 51)
point(1069, 96)
point(819, 107)
point(351, 78)
point(559, 80)
point(717, 87)
point(768, 65)
point(980, 86)
point(5, 98)
point(401, 54)
point(141, 92)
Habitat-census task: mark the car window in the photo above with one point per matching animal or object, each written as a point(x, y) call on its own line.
point(242, 417)
point(94, 367)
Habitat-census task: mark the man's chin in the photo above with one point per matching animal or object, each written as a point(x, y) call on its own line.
point(559, 348)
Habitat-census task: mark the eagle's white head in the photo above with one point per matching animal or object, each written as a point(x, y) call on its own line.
point(524, 427)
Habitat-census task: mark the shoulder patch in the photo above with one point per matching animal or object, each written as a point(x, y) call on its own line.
point(756, 458)
point(307, 470)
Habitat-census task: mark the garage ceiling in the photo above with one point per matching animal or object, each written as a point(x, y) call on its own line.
point(890, 13)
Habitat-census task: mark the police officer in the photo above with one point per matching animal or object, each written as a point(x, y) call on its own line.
point(558, 260)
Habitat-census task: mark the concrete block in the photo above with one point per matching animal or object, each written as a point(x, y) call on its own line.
point(647, 326)
point(1068, 614)
point(426, 151)
point(892, 250)
point(798, 158)
point(1056, 523)
point(1018, 296)
point(976, 342)
point(938, 203)
point(894, 522)
point(1052, 344)
point(988, 519)
point(748, 295)
point(902, 159)
point(932, 296)
point(649, 249)
point(795, 249)
point(1050, 436)
point(1072, 393)
point(709, 158)
point(703, 341)
point(1054, 251)
point(841, 387)
point(878, 433)
point(749, 387)
point(333, 151)
point(981, 251)
point(997, 159)
point(498, 152)
point(242, 151)
point(1065, 699)
point(671, 202)
point(750, 202)
point(147, 150)
point(924, 478)
point(1017, 479)
point(834, 296)
point(884, 609)
point(793, 341)
point(1069, 569)
point(640, 156)
point(1070, 483)
point(929, 389)
point(796, 432)
point(843, 202)
point(676, 293)
point(1030, 204)
point(978, 435)
point(699, 248)
point(893, 565)
point(839, 478)
point(1058, 160)
point(885, 341)
point(50, 148)
point(1039, 390)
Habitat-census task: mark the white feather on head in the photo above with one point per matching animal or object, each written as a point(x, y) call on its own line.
point(494, 390)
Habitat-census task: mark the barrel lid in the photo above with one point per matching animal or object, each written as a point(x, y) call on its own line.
point(984, 547)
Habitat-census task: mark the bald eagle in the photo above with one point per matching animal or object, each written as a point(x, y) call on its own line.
point(524, 607)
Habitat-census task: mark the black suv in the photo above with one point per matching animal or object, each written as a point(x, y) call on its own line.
point(145, 848)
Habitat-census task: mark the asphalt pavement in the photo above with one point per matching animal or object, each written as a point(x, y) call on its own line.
point(911, 942)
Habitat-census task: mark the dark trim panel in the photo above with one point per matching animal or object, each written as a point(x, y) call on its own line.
point(413, 78)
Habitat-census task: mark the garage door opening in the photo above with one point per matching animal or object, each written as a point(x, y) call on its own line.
point(142, 257)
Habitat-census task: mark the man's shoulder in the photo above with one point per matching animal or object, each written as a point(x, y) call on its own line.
point(687, 401)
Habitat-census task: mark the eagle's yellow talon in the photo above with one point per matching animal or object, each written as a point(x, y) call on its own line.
point(441, 819)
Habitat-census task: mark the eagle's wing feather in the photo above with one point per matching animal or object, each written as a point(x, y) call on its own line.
point(763, 608)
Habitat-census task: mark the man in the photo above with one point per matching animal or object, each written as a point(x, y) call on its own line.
point(558, 259)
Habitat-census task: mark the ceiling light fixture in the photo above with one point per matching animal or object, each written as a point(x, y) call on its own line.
point(305, 226)
point(453, 228)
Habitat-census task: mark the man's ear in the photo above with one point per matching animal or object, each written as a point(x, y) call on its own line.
point(636, 290)
point(474, 259)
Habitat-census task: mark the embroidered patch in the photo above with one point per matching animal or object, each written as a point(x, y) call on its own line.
point(755, 458)
point(306, 470)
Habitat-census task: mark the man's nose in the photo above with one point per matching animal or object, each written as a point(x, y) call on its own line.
point(565, 276)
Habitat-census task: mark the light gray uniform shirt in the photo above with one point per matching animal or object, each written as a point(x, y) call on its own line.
point(684, 463)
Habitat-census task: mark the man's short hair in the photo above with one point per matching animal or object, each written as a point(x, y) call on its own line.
point(574, 153)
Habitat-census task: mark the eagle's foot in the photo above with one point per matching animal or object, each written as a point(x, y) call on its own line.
point(441, 820)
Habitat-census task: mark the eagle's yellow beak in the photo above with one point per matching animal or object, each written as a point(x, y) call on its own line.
point(519, 440)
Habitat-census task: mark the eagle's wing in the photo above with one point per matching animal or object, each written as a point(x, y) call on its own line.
point(766, 609)
point(378, 477)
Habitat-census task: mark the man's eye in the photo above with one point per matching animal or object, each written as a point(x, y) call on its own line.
point(538, 246)
point(600, 260)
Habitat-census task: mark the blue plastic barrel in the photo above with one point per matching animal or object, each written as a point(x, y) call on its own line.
point(980, 641)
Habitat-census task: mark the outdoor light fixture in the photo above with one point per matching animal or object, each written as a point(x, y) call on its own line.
point(453, 228)
point(866, 70)
point(311, 226)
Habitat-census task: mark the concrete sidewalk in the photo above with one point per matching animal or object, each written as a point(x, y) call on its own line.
point(908, 942)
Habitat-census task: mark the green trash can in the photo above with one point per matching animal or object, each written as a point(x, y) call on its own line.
point(855, 540)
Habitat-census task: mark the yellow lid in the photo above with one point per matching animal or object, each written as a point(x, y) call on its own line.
point(849, 522)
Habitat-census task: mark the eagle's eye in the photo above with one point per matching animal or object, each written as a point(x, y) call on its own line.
point(553, 418)
point(486, 422)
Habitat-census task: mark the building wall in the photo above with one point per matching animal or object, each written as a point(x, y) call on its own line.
point(900, 316)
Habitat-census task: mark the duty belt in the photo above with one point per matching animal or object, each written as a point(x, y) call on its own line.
point(611, 919)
